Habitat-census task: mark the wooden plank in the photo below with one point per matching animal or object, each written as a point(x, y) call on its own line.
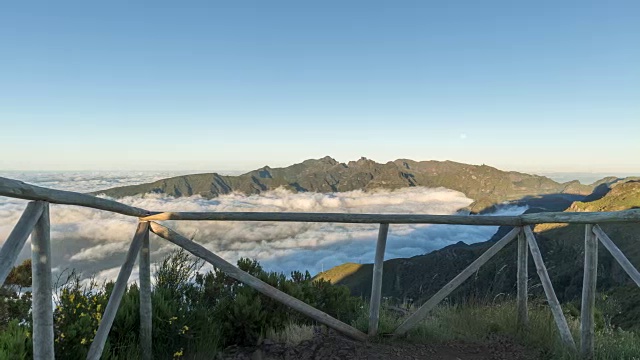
point(338, 218)
point(18, 237)
point(95, 351)
point(617, 254)
point(422, 312)
point(42, 307)
point(581, 217)
point(522, 281)
point(552, 299)
point(376, 282)
point(257, 284)
point(146, 313)
point(526, 219)
point(18, 189)
point(587, 323)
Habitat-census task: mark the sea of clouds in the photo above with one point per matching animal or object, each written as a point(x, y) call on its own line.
point(95, 242)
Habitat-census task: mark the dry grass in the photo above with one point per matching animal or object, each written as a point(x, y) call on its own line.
point(476, 324)
point(292, 335)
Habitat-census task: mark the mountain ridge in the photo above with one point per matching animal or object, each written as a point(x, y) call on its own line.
point(486, 185)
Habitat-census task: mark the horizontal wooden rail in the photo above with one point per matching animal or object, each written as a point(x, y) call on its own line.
point(338, 218)
point(526, 219)
point(18, 189)
point(581, 217)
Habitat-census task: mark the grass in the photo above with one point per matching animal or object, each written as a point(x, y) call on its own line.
point(480, 323)
point(292, 334)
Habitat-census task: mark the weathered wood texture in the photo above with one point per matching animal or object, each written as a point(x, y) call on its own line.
point(526, 219)
point(42, 307)
point(590, 273)
point(337, 218)
point(21, 190)
point(552, 299)
point(257, 284)
point(95, 351)
point(617, 254)
point(522, 281)
point(146, 314)
point(581, 217)
point(422, 312)
point(376, 282)
point(18, 237)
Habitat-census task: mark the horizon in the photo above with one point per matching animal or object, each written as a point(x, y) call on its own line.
point(584, 177)
point(128, 87)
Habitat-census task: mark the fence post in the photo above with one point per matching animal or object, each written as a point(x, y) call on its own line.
point(376, 282)
point(552, 299)
point(523, 257)
point(146, 315)
point(626, 265)
point(588, 292)
point(95, 351)
point(42, 294)
point(18, 237)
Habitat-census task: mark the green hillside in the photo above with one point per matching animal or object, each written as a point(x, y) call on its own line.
point(419, 277)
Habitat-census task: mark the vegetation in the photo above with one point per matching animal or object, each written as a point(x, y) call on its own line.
point(621, 197)
point(186, 304)
point(482, 322)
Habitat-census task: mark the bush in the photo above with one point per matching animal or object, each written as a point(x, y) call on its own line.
point(77, 315)
point(246, 315)
point(15, 343)
point(194, 314)
point(14, 303)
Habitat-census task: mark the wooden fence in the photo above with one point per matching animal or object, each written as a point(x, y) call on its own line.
point(35, 222)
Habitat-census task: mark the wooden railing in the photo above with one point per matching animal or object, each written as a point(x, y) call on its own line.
point(35, 222)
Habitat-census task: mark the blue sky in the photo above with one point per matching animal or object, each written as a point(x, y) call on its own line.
point(537, 86)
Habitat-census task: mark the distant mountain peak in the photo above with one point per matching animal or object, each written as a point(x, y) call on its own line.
point(329, 160)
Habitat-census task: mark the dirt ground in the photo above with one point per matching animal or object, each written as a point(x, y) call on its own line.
point(334, 346)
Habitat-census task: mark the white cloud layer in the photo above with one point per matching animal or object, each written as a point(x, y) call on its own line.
point(95, 242)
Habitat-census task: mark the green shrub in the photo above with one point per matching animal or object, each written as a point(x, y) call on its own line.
point(77, 315)
point(15, 343)
point(245, 315)
point(194, 314)
point(14, 303)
